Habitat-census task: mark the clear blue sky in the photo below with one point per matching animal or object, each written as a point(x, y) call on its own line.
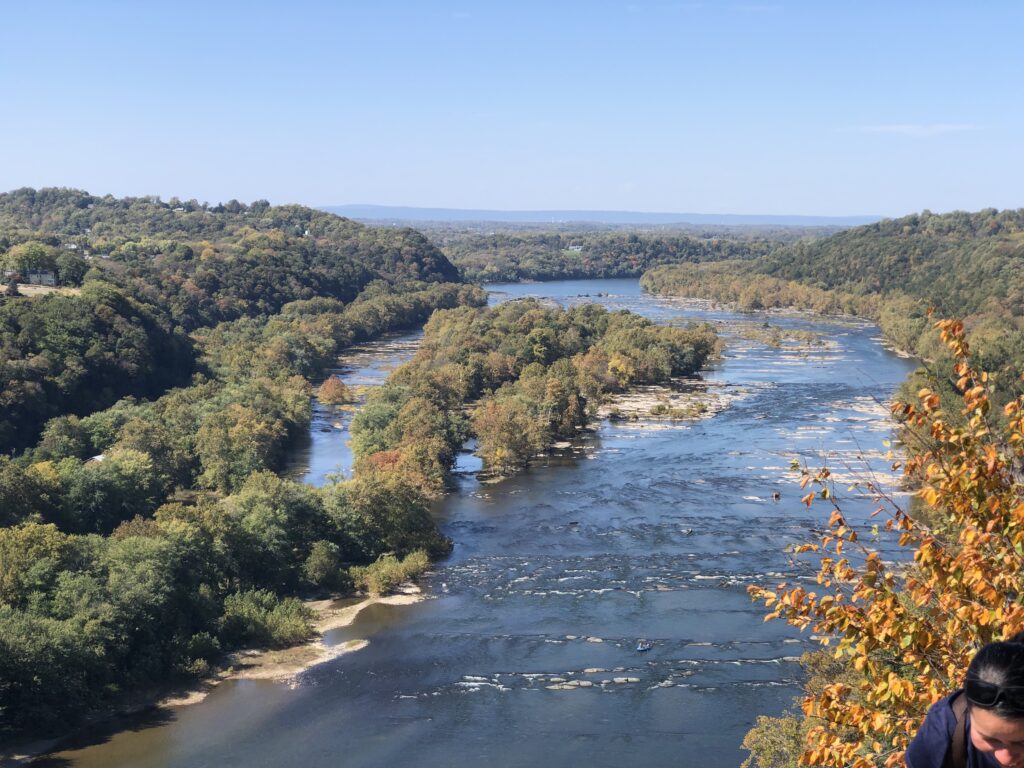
point(823, 108)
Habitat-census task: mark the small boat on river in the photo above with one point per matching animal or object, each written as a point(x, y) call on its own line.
point(643, 645)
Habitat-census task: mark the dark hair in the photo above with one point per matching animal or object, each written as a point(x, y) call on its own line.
point(1000, 666)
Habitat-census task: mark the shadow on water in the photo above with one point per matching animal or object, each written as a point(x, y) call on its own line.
point(102, 733)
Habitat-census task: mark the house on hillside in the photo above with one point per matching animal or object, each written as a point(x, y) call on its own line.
point(42, 277)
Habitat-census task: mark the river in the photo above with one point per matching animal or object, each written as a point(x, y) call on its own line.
point(524, 654)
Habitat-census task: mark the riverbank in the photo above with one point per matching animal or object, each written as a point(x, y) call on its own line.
point(284, 665)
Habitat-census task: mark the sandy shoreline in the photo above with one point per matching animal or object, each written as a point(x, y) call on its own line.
point(286, 664)
point(283, 666)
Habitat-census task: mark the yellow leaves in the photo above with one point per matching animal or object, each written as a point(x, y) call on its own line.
point(975, 392)
point(1018, 512)
point(801, 548)
point(808, 499)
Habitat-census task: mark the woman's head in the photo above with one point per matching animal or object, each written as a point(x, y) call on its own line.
point(995, 692)
point(995, 678)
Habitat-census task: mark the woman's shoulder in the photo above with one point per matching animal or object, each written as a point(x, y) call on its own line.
point(928, 749)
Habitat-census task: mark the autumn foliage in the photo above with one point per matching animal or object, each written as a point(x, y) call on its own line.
point(906, 630)
point(334, 391)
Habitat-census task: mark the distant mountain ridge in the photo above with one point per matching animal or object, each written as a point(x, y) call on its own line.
point(408, 213)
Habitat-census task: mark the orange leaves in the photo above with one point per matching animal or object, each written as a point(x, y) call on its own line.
point(929, 400)
point(992, 459)
point(930, 495)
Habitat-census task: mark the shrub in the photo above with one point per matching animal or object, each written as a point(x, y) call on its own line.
point(388, 572)
point(196, 653)
point(257, 617)
point(321, 567)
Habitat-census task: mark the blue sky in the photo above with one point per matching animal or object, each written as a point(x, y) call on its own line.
point(821, 108)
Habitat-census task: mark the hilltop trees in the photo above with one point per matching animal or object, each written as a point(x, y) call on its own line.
point(553, 256)
point(161, 277)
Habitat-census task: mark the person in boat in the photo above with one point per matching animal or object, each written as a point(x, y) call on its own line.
point(982, 724)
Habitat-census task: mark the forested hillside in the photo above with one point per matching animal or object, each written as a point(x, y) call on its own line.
point(153, 272)
point(129, 226)
point(565, 255)
point(969, 265)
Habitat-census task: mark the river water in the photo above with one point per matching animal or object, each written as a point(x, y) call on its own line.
point(524, 654)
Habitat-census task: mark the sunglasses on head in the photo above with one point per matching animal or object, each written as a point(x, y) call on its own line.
point(988, 695)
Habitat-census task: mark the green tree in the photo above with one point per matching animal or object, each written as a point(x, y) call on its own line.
point(322, 566)
point(236, 442)
point(384, 512)
point(31, 256)
point(71, 268)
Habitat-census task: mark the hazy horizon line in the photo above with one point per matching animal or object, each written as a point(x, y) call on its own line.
point(374, 211)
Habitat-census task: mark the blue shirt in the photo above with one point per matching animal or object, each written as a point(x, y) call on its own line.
point(928, 749)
